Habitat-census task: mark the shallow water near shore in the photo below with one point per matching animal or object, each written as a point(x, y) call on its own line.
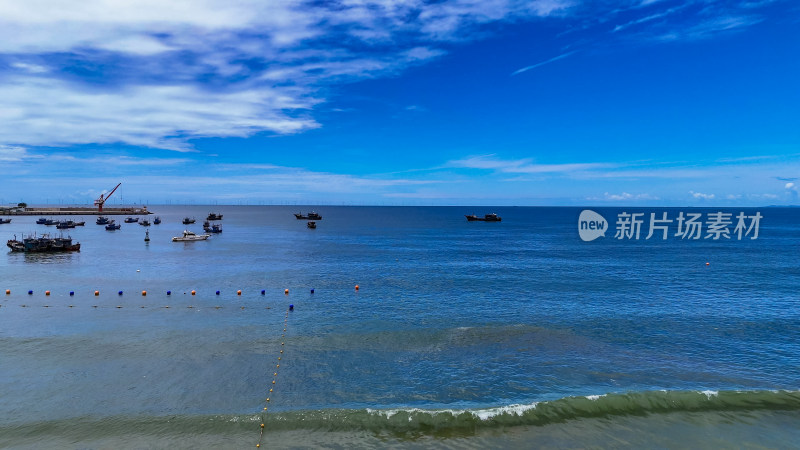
point(510, 334)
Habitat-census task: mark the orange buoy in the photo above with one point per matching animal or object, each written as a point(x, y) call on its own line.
point(286, 291)
point(239, 292)
point(193, 292)
point(708, 264)
point(144, 293)
point(356, 287)
point(96, 293)
point(46, 292)
point(8, 291)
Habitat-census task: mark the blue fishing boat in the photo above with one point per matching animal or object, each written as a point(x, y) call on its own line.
point(43, 244)
point(214, 228)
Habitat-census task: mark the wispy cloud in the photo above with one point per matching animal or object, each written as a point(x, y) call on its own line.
point(624, 196)
point(650, 18)
point(553, 59)
point(526, 165)
point(10, 153)
point(159, 74)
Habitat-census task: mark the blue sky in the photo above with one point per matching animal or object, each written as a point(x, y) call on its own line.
point(404, 102)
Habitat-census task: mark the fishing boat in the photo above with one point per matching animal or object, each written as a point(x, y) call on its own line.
point(486, 218)
point(64, 224)
point(311, 216)
point(43, 244)
point(213, 228)
point(187, 221)
point(102, 220)
point(5, 221)
point(131, 220)
point(41, 220)
point(145, 223)
point(189, 236)
point(214, 216)
point(113, 226)
point(157, 220)
point(311, 224)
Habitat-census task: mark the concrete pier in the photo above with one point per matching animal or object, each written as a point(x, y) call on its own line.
point(74, 211)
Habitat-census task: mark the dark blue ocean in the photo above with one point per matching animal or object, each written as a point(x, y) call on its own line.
point(515, 334)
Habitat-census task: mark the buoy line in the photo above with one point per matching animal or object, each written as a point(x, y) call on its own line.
point(112, 306)
point(275, 377)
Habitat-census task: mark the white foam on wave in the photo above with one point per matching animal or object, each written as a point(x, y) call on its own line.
point(595, 397)
point(482, 414)
point(517, 410)
point(710, 394)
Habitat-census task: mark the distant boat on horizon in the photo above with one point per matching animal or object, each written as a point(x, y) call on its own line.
point(311, 216)
point(486, 218)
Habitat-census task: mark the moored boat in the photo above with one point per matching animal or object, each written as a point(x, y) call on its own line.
point(145, 223)
point(102, 220)
point(214, 216)
point(311, 224)
point(131, 220)
point(43, 244)
point(157, 220)
point(5, 221)
point(111, 226)
point(64, 224)
point(213, 228)
point(189, 236)
point(187, 220)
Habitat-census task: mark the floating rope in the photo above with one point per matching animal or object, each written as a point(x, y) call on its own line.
point(274, 379)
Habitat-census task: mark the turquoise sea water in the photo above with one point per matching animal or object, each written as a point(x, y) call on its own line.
point(511, 334)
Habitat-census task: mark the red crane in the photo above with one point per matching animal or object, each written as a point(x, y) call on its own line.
point(99, 202)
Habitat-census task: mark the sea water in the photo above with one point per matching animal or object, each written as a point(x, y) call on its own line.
point(460, 334)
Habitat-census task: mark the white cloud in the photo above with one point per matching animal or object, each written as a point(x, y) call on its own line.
point(701, 196)
point(51, 112)
point(9, 153)
point(143, 64)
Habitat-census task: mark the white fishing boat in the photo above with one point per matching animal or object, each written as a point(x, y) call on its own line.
point(189, 236)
